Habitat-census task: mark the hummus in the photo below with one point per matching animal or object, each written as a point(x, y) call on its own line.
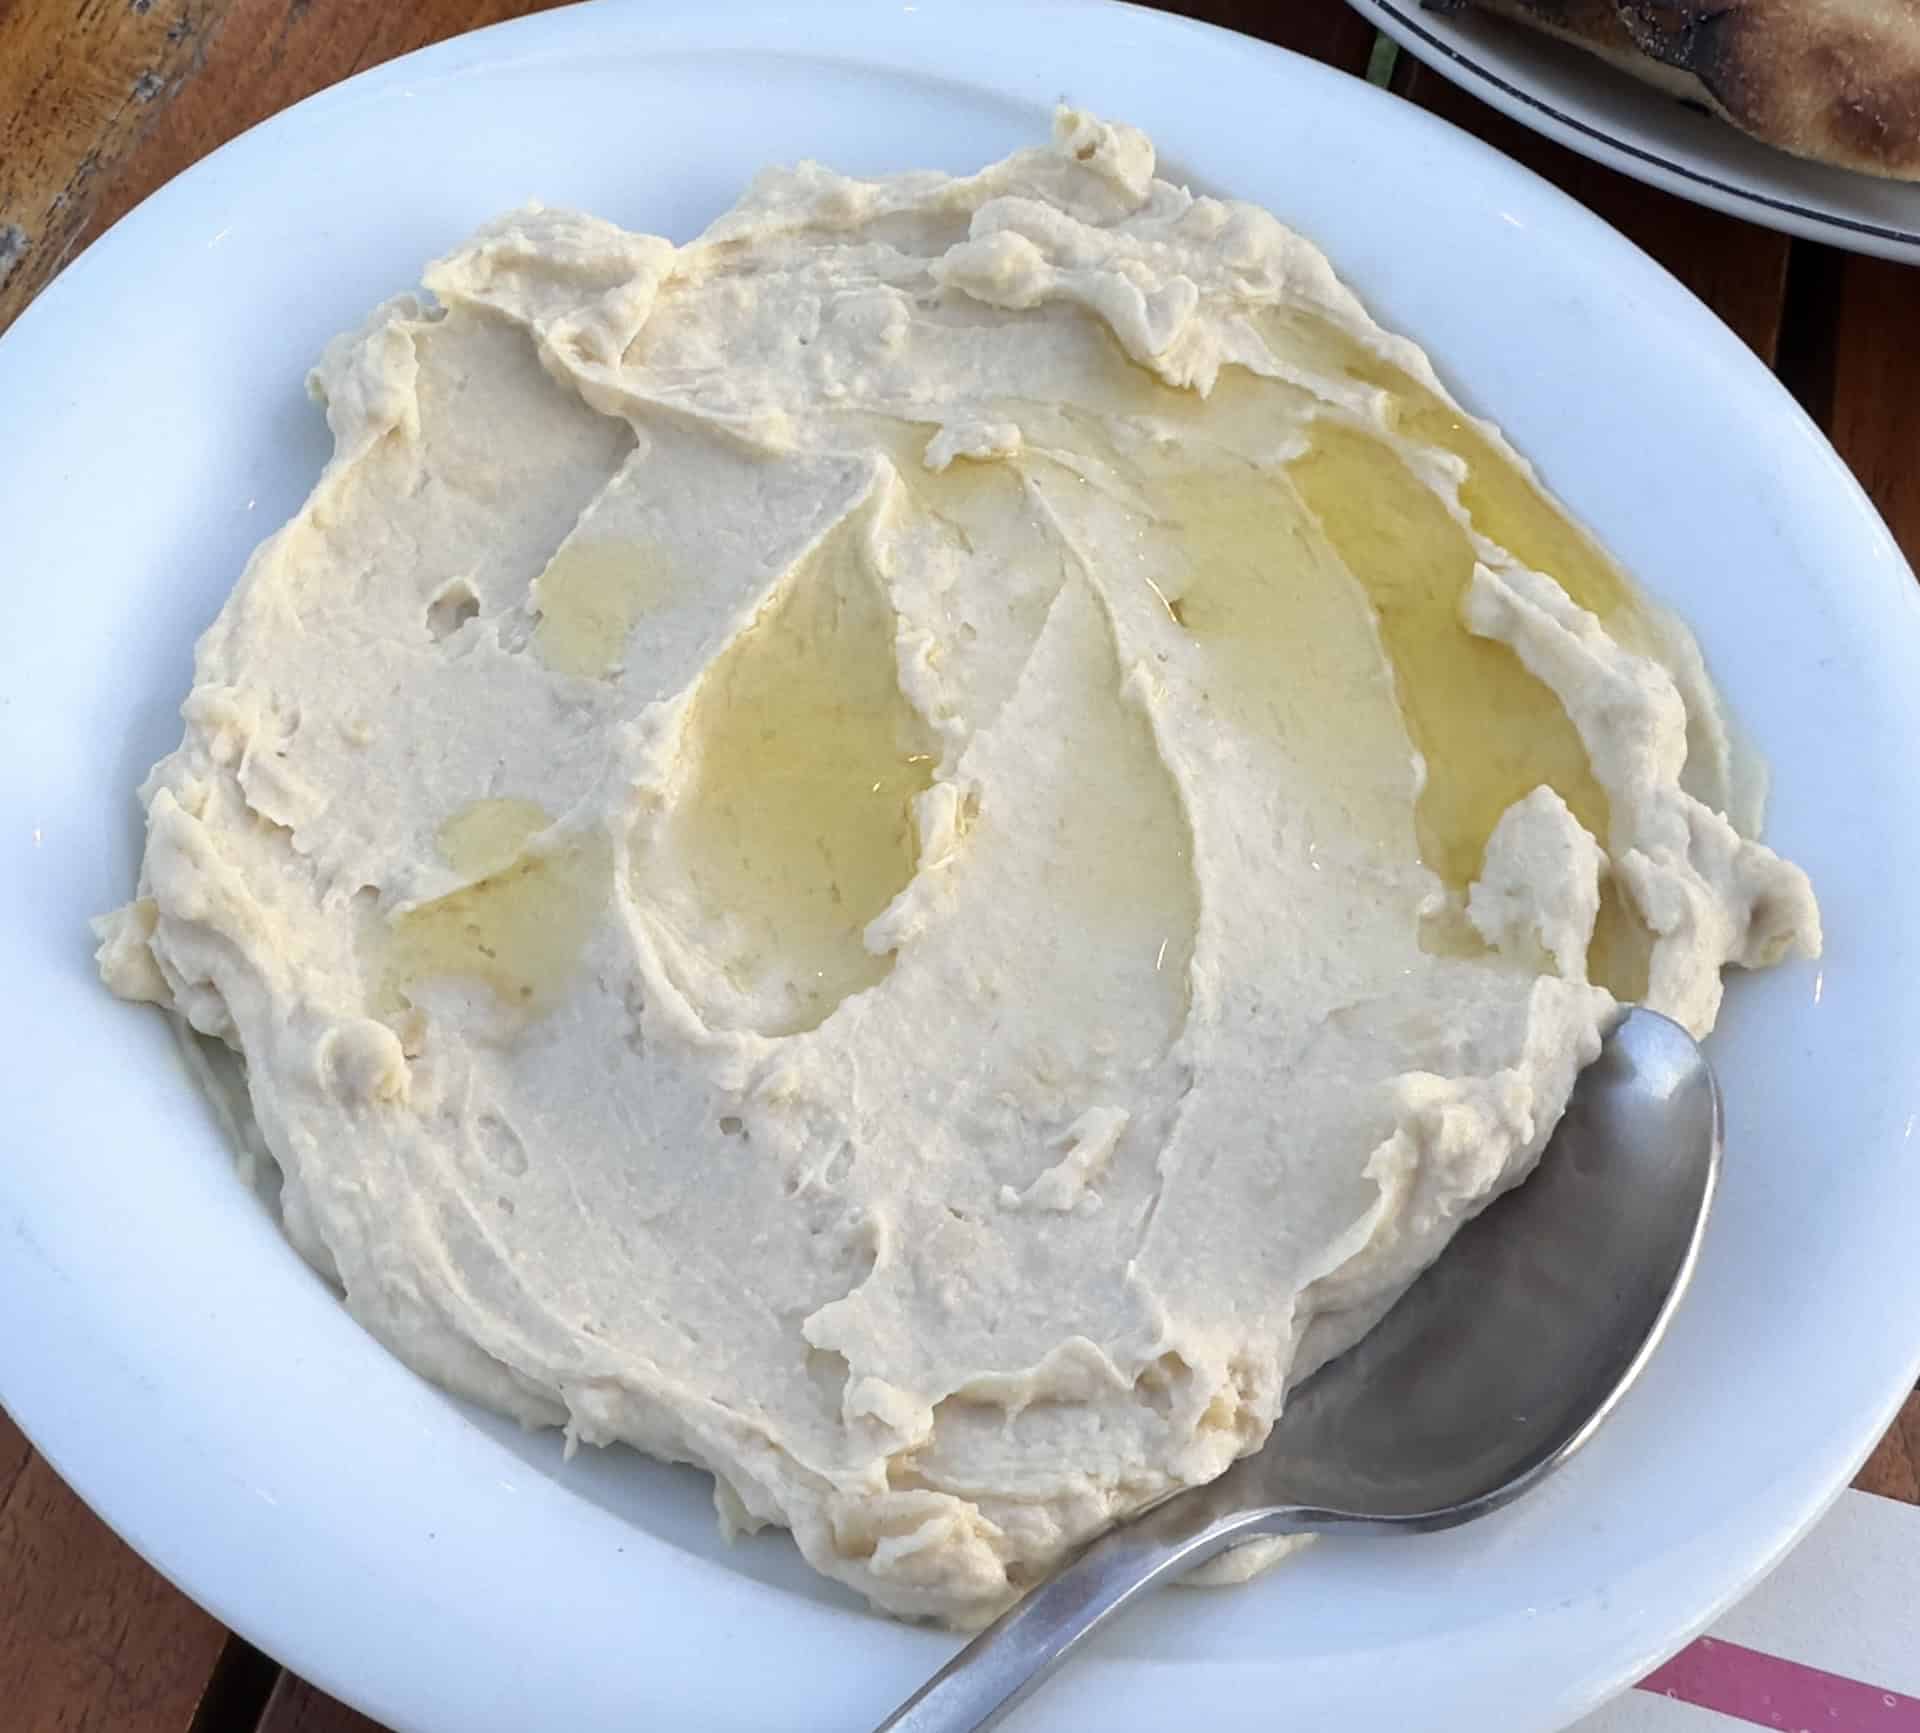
point(918, 850)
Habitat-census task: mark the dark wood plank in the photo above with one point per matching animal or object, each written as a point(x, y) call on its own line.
point(268, 54)
point(296, 1707)
point(1740, 271)
point(103, 101)
point(1874, 417)
point(91, 1640)
point(79, 86)
point(15, 1454)
point(1893, 1470)
point(237, 1691)
point(1323, 29)
point(1808, 321)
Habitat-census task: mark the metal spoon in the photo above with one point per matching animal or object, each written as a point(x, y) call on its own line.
point(1494, 1367)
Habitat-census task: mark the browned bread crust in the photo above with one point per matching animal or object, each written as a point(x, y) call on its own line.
point(1836, 80)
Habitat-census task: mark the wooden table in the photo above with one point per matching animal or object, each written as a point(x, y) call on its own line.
point(103, 100)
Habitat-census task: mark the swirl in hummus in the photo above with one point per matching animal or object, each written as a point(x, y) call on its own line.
point(918, 850)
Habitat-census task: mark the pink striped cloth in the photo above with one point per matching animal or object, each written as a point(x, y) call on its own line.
point(1771, 1692)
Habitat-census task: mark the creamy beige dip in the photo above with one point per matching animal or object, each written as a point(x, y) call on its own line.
point(917, 850)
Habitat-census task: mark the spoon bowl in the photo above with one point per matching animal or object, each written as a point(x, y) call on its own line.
point(1487, 1374)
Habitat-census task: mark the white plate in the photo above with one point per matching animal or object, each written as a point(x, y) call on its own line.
point(1608, 115)
point(212, 1401)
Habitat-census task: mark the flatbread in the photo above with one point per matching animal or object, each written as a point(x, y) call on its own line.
point(1834, 80)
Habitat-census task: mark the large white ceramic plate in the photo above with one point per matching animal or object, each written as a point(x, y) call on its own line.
point(209, 1397)
point(1608, 115)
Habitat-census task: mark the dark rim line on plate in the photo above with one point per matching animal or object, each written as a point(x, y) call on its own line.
point(1906, 237)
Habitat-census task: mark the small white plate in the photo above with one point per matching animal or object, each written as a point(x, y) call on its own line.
point(1608, 115)
point(445, 1572)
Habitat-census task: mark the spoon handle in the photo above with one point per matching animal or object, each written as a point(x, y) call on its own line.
point(1020, 1648)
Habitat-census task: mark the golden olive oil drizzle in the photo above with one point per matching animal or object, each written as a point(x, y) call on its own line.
point(590, 597)
point(795, 827)
point(518, 929)
point(1488, 730)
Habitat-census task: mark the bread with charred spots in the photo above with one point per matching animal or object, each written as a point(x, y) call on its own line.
point(1837, 81)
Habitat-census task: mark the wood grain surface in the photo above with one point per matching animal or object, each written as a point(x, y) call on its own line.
point(79, 86)
point(89, 1636)
point(1893, 1471)
point(101, 101)
point(296, 1707)
point(1873, 411)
